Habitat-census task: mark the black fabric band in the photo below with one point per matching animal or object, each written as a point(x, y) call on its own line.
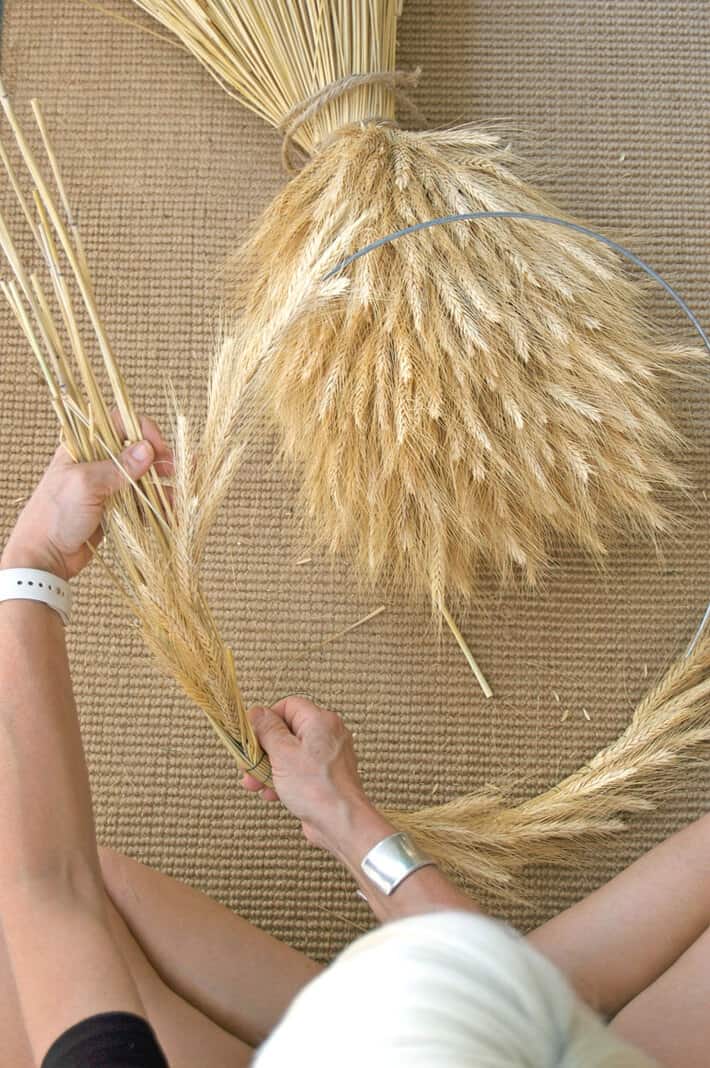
point(108, 1040)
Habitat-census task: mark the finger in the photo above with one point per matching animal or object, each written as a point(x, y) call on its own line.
point(135, 460)
point(103, 477)
point(62, 458)
point(254, 786)
point(164, 460)
point(270, 729)
point(250, 783)
point(297, 712)
point(280, 708)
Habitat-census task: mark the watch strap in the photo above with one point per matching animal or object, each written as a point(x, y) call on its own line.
point(27, 584)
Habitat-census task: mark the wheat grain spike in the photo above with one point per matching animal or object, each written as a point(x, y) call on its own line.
point(487, 841)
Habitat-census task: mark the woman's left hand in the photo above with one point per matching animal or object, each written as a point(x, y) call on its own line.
point(64, 512)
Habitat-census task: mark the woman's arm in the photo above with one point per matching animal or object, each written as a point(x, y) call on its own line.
point(617, 941)
point(611, 946)
point(425, 890)
point(64, 960)
point(315, 775)
point(62, 955)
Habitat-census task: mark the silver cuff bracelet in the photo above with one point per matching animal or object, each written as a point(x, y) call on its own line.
point(390, 862)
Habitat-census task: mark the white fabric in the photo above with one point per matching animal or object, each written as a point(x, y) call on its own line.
point(444, 990)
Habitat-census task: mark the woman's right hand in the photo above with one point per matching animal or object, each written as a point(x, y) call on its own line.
point(314, 769)
point(315, 775)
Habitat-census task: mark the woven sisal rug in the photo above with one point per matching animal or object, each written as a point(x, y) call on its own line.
point(166, 173)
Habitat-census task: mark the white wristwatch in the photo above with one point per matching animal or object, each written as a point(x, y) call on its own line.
point(26, 584)
point(392, 860)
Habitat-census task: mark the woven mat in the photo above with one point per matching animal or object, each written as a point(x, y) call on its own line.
point(167, 172)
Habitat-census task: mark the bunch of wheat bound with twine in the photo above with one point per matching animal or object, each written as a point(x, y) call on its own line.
point(158, 541)
point(473, 392)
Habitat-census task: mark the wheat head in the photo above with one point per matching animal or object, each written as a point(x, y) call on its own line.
point(487, 841)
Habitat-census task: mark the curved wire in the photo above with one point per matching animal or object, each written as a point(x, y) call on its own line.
point(472, 216)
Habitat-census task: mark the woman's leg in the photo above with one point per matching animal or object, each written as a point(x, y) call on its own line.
point(212, 984)
point(234, 973)
point(670, 1020)
point(15, 1044)
point(620, 939)
point(187, 1036)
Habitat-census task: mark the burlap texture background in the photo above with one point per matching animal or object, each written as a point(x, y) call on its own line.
point(167, 172)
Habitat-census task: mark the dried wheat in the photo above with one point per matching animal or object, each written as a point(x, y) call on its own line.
point(158, 542)
point(478, 391)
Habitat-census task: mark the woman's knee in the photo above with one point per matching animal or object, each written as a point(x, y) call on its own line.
point(115, 872)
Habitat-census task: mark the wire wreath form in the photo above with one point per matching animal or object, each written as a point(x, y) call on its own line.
point(487, 839)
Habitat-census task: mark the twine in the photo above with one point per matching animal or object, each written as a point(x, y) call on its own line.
point(294, 156)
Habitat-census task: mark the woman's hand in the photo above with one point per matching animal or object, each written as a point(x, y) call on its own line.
point(64, 512)
point(314, 768)
point(315, 775)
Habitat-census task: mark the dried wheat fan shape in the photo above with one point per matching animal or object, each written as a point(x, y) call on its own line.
point(478, 390)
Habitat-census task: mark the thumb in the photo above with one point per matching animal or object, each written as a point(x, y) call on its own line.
point(269, 728)
point(135, 460)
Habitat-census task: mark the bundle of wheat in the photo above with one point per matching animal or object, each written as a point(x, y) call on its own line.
point(157, 541)
point(476, 391)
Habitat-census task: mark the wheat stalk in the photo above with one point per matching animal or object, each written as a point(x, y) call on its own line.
point(274, 55)
point(153, 540)
point(158, 542)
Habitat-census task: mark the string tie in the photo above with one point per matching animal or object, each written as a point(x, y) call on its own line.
point(294, 156)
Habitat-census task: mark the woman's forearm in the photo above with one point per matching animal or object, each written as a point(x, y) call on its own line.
point(52, 903)
point(47, 827)
point(315, 775)
point(425, 890)
point(53, 912)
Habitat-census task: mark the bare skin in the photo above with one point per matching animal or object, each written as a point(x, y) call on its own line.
point(102, 928)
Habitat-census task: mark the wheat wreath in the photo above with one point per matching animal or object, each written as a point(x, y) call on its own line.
point(155, 543)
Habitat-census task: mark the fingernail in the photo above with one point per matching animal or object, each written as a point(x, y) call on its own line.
point(141, 452)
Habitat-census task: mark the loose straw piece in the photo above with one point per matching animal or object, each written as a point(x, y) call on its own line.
point(347, 630)
point(481, 678)
point(134, 25)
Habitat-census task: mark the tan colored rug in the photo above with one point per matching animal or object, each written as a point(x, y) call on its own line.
point(167, 172)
